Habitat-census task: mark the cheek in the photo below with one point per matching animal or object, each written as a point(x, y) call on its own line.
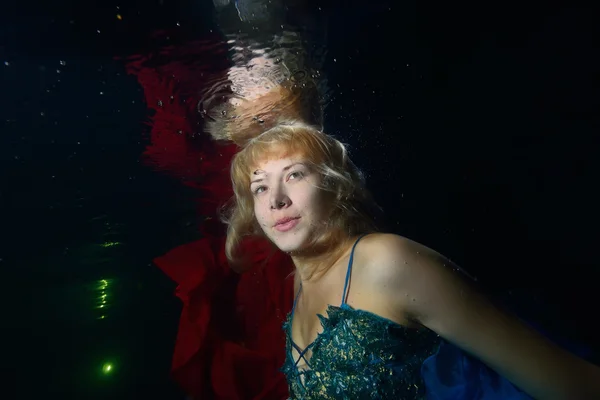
point(315, 202)
point(259, 212)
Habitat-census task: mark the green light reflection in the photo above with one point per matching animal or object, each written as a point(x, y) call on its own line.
point(102, 293)
point(107, 368)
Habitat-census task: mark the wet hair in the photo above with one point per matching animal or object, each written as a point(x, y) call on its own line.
point(351, 210)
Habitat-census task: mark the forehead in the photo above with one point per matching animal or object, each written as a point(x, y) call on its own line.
point(275, 164)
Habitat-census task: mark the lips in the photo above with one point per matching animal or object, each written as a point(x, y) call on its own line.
point(285, 224)
point(285, 220)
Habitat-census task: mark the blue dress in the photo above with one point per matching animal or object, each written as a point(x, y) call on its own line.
point(360, 355)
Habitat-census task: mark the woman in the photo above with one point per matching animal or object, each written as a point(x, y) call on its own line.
point(382, 298)
point(369, 305)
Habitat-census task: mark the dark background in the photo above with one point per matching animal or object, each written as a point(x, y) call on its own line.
point(476, 124)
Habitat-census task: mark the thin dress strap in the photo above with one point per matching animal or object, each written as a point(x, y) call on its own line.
point(301, 352)
point(349, 271)
point(296, 299)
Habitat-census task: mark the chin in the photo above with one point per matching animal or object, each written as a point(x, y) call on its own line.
point(290, 242)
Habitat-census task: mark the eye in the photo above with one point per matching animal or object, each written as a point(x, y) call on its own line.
point(295, 175)
point(259, 190)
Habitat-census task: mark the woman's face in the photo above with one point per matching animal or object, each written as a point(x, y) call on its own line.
point(288, 203)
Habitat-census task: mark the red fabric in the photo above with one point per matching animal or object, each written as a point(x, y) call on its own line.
point(174, 80)
point(230, 343)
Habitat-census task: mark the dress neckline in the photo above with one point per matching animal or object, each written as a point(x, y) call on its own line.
point(343, 304)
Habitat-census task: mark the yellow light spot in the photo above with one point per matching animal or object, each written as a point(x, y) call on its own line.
point(119, 17)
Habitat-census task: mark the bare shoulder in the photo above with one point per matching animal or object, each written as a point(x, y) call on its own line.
point(387, 263)
point(394, 255)
point(389, 244)
point(401, 270)
point(381, 264)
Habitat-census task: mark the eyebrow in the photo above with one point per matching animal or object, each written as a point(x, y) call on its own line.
point(259, 171)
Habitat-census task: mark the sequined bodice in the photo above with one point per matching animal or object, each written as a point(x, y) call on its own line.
point(358, 355)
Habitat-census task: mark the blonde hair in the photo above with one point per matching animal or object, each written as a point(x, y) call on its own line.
point(351, 206)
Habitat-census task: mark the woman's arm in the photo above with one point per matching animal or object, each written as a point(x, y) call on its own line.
point(421, 283)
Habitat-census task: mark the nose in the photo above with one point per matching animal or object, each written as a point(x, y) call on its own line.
point(279, 204)
point(279, 201)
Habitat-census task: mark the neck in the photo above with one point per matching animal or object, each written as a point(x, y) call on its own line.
point(311, 266)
